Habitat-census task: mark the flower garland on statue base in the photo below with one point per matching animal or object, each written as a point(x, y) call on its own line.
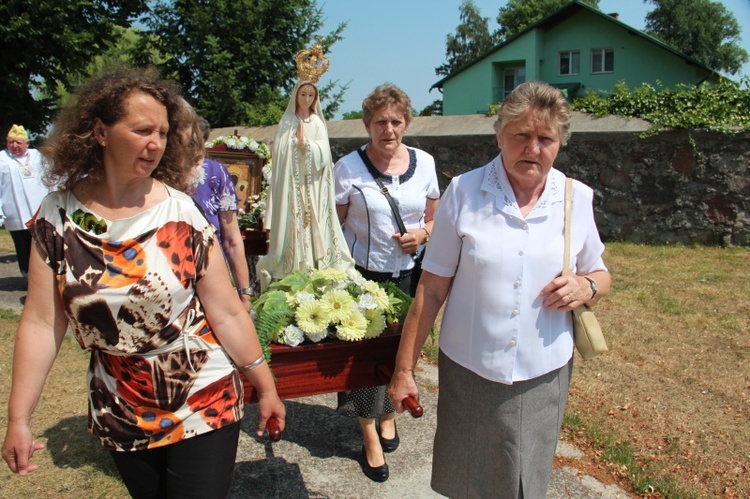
point(327, 303)
point(240, 143)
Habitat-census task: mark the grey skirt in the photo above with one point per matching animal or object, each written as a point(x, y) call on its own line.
point(496, 440)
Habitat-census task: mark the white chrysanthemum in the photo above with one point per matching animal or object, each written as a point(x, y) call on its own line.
point(304, 297)
point(336, 305)
point(293, 336)
point(375, 323)
point(354, 276)
point(267, 172)
point(310, 318)
point(352, 327)
point(252, 145)
point(316, 337)
point(233, 143)
point(367, 302)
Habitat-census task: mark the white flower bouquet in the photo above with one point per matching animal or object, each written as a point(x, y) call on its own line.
point(239, 143)
point(326, 304)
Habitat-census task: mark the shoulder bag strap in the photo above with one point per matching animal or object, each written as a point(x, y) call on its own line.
point(568, 205)
point(376, 175)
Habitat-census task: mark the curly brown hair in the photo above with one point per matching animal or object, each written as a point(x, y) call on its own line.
point(386, 94)
point(73, 152)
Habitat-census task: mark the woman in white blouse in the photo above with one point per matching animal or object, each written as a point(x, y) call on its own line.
point(380, 251)
point(506, 340)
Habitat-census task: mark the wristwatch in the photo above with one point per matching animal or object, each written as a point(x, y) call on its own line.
point(245, 291)
point(594, 286)
point(427, 239)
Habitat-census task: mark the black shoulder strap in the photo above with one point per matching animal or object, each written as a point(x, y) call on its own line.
point(376, 175)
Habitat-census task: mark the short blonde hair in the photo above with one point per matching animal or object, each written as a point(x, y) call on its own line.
point(384, 95)
point(541, 97)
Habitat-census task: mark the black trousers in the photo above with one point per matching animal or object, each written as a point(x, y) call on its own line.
point(22, 242)
point(199, 467)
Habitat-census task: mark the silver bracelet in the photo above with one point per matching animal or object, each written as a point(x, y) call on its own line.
point(253, 364)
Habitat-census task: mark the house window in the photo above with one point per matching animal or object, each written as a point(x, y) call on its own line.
point(512, 77)
point(570, 63)
point(602, 61)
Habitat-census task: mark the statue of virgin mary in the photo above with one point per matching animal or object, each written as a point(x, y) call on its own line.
point(305, 233)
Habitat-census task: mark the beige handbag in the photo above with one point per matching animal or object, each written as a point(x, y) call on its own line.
point(588, 335)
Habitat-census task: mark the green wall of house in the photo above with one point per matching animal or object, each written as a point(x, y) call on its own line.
point(469, 91)
point(636, 61)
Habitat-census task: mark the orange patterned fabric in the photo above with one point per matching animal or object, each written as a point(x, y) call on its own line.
point(158, 373)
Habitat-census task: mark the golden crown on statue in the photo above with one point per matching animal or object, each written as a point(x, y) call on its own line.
point(311, 63)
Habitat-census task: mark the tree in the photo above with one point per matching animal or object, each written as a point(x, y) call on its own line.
point(45, 43)
point(434, 109)
point(471, 40)
point(235, 58)
point(701, 29)
point(519, 14)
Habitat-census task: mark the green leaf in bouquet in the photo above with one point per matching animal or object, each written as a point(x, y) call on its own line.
point(400, 302)
point(273, 301)
point(293, 282)
point(268, 324)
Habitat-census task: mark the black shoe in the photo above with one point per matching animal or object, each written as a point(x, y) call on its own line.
point(389, 444)
point(374, 473)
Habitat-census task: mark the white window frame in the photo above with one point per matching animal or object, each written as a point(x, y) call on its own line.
point(601, 55)
point(570, 54)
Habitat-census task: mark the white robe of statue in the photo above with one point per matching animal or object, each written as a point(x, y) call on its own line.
point(305, 233)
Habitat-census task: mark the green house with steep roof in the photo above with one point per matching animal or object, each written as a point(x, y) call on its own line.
point(577, 48)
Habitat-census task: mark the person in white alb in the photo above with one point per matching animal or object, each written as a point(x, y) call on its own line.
point(21, 190)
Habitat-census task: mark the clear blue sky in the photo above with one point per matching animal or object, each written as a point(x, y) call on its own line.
point(403, 41)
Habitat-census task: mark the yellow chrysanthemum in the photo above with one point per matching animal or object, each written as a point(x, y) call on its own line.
point(309, 317)
point(331, 274)
point(336, 305)
point(375, 323)
point(381, 297)
point(352, 328)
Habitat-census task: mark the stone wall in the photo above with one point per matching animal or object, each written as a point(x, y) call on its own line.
point(660, 190)
point(673, 188)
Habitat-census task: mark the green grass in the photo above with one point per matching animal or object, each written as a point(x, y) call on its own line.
point(6, 242)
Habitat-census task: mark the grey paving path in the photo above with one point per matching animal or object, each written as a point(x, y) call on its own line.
point(317, 456)
point(12, 284)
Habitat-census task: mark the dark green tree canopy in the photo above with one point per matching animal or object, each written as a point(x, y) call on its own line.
point(45, 44)
point(517, 15)
point(472, 39)
point(235, 58)
point(701, 29)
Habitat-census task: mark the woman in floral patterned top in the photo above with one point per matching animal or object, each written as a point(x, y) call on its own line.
point(128, 262)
